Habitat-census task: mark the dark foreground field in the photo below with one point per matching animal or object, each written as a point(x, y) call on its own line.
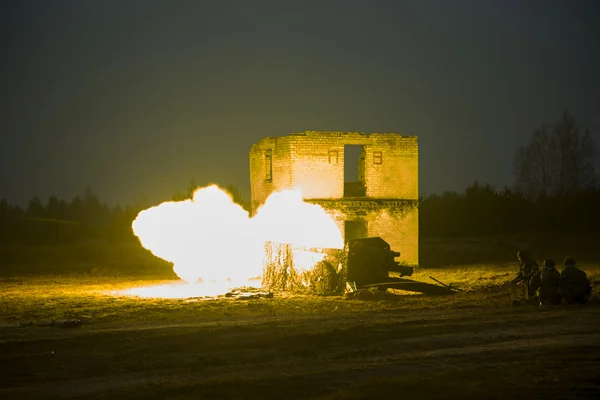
point(475, 344)
point(480, 343)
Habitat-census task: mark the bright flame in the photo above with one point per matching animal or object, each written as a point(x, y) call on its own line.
point(207, 238)
point(215, 246)
point(286, 218)
point(306, 260)
point(180, 290)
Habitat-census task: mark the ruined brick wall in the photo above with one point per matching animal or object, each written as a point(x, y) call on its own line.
point(262, 181)
point(390, 168)
point(395, 221)
point(318, 165)
point(400, 230)
point(314, 163)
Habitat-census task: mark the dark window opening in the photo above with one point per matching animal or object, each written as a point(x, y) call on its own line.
point(355, 230)
point(354, 171)
point(268, 165)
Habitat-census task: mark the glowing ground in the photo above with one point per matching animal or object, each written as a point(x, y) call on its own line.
point(471, 345)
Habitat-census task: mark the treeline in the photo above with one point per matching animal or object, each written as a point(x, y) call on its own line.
point(555, 189)
point(82, 218)
point(479, 210)
point(60, 221)
point(558, 160)
point(482, 210)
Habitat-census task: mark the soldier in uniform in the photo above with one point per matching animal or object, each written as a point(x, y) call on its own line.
point(528, 273)
point(549, 290)
point(575, 286)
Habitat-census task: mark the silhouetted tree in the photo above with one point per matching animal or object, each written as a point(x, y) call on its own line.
point(5, 220)
point(575, 156)
point(542, 148)
point(119, 225)
point(139, 203)
point(523, 171)
point(557, 162)
point(93, 218)
point(188, 193)
point(56, 209)
point(3, 209)
point(237, 197)
point(75, 209)
point(35, 208)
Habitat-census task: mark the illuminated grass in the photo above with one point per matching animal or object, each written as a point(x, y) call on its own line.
point(93, 299)
point(475, 277)
point(471, 344)
point(75, 281)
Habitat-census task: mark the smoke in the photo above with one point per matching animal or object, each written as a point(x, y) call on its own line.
point(212, 240)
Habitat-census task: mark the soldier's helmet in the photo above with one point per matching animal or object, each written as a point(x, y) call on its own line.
point(569, 261)
point(549, 263)
point(523, 255)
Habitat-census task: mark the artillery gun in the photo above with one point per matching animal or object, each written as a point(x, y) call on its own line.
point(365, 263)
point(370, 260)
point(369, 263)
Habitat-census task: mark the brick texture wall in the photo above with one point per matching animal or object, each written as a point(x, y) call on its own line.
point(318, 165)
point(314, 163)
point(397, 176)
point(401, 231)
point(281, 170)
point(395, 221)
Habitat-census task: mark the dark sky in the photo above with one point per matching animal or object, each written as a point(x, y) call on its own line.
point(135, 98)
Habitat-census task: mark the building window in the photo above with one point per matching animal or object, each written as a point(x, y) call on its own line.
point(377, 157)
point(268, 165)
point(333, 157)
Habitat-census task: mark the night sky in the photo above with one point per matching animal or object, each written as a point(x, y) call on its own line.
point(135, 98)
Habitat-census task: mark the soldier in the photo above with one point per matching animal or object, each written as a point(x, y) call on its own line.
point(549, 290)
point(575, 286)
point(528, 273)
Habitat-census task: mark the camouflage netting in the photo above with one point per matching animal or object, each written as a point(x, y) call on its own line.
point(326, 278)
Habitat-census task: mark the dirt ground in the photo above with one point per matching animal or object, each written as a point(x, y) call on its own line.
point(416, 348)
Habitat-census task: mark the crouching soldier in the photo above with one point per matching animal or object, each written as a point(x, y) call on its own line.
point(575, 286)
point(528, 273)
point(549, 290)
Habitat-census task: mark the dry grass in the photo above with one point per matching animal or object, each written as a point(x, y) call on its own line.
point(475, 277)
point(472, 344)
point(93, 299)
point(54, 282)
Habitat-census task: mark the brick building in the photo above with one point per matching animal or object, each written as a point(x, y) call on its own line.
point(378, 197)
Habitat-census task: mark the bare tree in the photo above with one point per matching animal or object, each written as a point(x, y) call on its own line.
point(555, 162)
point(574, 156)
point(588, 153)
point(533, 165)
point(541, 152)
point(523, 171)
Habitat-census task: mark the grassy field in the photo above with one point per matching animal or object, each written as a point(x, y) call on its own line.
point(131, 259)
point(501, 249)
point(473, 344)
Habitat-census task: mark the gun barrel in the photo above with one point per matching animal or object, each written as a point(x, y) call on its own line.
point(402, 269)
